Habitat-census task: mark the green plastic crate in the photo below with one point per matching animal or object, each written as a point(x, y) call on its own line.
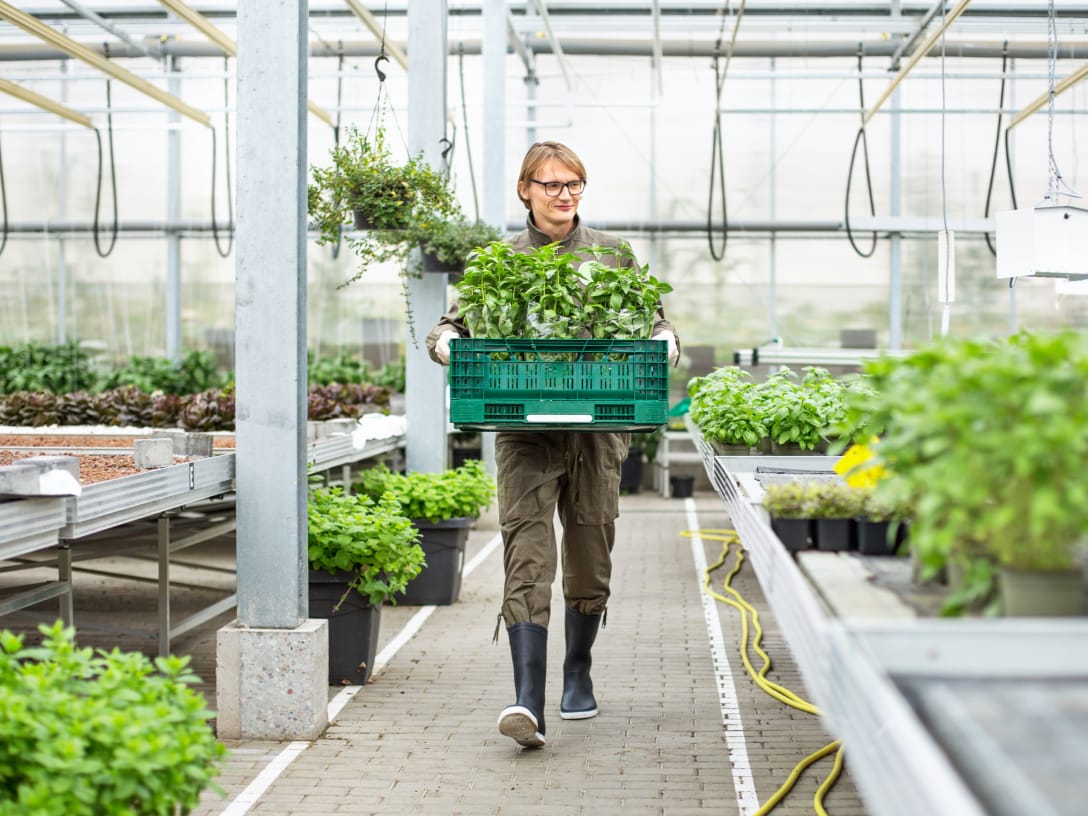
point(577, 385)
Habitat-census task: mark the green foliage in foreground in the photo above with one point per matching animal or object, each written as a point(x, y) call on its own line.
point(93, 733)
point(459, 493)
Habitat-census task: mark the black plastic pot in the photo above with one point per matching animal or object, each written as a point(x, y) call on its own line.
point(796, 534)
point(353, 627)
point(631, 472)
point(439, 583)
point(681, 486)
point(835, 534)
point(873, 537)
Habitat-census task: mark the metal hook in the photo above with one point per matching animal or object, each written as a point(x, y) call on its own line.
point(377, 70)
point(446, 150)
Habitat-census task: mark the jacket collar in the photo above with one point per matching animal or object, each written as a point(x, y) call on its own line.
point(539, 238)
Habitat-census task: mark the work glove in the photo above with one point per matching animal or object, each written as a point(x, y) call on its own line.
point(671, 345)
point(442, 345)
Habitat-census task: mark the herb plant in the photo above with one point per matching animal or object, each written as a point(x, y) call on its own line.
point(88, 732)
point(459, 493)
point(372, 539)
point(987, 441)
point(552, 294)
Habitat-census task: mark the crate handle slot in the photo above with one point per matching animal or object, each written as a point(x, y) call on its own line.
point(559, 418)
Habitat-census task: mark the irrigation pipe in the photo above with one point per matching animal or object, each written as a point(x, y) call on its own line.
point(759, 676)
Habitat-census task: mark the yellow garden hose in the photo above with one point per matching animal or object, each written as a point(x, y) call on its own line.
point(759, 676)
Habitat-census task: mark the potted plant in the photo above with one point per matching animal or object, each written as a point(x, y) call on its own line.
point(878, 524)
point(442, 506)
point(366, 187)
point(834, 505)
point(361, 552)
point(89, 732)
point(788, 505)
point(446, 243)
point(987, 441)
point(643, 447)
point(723, 405)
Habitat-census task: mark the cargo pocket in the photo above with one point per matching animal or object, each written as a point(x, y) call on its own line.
point(521, 465)
point(598, 472)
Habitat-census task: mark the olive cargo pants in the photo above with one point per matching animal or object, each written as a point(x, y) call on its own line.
point(578, 474)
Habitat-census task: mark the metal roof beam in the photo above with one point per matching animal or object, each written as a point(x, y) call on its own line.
point(45, 103)
point(1035, 105)
point(229, 46)
point(917, 55)
point(379, 33)
point(106, 25)
point(557, 48)
point(81, 52)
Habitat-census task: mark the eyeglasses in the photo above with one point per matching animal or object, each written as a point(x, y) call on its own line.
point(552, 188)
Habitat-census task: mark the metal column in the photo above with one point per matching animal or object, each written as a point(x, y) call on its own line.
point(173, 214)
point(270, 342)
point(426, 381)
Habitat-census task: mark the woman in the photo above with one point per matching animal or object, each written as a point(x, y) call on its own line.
point(538, 473)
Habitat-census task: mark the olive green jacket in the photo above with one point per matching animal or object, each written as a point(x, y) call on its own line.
point(532, 238)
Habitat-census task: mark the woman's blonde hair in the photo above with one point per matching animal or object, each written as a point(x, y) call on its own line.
point(537, 155)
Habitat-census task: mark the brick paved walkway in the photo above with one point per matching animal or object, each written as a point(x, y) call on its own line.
point(421, 737)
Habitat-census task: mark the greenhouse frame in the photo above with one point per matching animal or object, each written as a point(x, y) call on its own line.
point(864, 222)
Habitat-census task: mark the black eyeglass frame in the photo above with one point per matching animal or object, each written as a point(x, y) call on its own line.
point(580, 182)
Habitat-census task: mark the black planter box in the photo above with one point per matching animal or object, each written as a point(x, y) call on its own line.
point(873, 537)
point(680, 487)
point(459, 456)
point(631, 473)
point(835, 534)
point(796, 534)
point(353, 628)
point(439, 583)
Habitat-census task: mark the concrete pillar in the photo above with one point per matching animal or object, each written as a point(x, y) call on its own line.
point(425, 382)
point(271, 663)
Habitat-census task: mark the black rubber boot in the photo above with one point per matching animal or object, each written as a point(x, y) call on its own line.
point(524, 721)
point(578, 701)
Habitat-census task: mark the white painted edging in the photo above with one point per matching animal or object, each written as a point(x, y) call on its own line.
point(242, 803)
point(741, 771)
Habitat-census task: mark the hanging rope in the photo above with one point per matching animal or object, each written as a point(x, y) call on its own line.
point(997, 142)
point(223, 253)
point(1054, 176)
point(860, 138)
point(336, 132)
point(113, 172)
point(465, 127)
point(717, 156)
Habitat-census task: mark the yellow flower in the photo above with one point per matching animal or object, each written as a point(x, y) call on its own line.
point(853, 468)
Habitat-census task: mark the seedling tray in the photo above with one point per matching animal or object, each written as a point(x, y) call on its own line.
point(575, 385)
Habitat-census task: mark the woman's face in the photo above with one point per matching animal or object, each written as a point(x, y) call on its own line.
point(553, 215)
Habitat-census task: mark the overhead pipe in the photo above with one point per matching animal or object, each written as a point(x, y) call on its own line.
point(81, 52)
point(604, 48)
point(900, 226)
point(229, 46)
point(106, 25)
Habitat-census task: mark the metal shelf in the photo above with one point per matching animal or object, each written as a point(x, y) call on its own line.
point(882, 683)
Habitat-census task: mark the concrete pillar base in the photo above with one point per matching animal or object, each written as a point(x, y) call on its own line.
point(272, 684)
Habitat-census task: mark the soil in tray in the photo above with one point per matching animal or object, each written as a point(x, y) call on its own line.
point(87, 441)
point(93, 467)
